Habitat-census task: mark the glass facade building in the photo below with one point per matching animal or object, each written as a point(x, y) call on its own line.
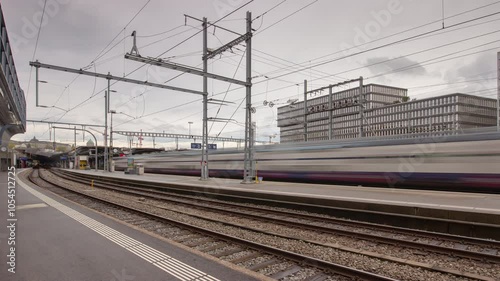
point(13, 102)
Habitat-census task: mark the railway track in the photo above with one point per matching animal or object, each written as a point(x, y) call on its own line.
point(271, 261)
point(459, 246)
point(449, 245)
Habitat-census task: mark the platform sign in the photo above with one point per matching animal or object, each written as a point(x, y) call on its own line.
point(212, 146)
point(64, 158)
point(130, 163)
point(195, 145)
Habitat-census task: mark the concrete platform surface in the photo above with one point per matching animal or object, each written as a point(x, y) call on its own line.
point(457, 201)
point(58, 240)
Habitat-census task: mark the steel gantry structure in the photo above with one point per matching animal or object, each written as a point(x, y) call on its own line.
point(249, 165)
point(173, 136)
point(360, 103)
point(109, 77)
point(178, 136)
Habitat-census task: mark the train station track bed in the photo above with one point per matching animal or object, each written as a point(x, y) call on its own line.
point(321, 241)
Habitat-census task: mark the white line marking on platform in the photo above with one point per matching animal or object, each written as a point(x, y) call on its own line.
point(31, 206)
point(166, 263)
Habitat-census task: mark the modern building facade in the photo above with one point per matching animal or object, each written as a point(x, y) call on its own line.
point(12, 100)
point(387, 112)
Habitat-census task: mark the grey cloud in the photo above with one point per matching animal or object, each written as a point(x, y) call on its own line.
point(377, 66)
point(481, 67)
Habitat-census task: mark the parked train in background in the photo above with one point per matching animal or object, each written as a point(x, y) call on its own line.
point(457, 162)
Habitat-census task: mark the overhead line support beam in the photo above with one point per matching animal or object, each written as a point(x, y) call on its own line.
point(229, 45)
point(111, 77)
point(178, 136)
point(64, 123)
point(334, 85)
point(182, 68)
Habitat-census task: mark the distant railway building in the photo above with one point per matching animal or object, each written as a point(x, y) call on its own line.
point(387, 112)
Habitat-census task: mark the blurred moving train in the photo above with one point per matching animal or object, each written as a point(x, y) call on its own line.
point(455, 162)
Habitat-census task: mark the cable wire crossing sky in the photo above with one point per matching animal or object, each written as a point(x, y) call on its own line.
point(431, 48)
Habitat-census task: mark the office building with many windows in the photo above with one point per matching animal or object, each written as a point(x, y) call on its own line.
point(387, 112)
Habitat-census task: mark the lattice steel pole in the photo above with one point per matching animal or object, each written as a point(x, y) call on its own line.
point(305, 110)
point(249, 162)
point(106, 93)
point(330, 113)
point(361, 108)
point(204, 148)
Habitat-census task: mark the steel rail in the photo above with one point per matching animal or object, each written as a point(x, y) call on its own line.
point(150, 187)
point(301, 259)
point(364, 236)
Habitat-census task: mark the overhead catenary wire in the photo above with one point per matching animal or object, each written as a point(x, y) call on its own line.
point(36, 46)
point(160, 111)
point(398, 69)
point(175, 46)
point(458, 82)
point(228, 87)
point(286, 17)
point(421, 51)
point(405, 31)
point(270, 74)
point(269, 10)
point(401, 32)
point(271, 26)
point(118, 34)
point(364, 51)
point(296, 65)
point(100, 54)
point(160, 33)
point(102, 61)
point(407, 67)
point(267, 81)
point(94, 61)
point(385, 45)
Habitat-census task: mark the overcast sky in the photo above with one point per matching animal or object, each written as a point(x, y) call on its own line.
point(297, 40)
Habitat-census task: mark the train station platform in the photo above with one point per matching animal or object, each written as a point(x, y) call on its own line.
point(459, 201)
point(457, 213)
point(56, 239)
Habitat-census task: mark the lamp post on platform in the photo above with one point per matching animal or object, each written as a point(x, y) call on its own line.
point(107, 99)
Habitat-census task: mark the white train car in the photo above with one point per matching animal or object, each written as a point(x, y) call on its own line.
point(469, 163)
